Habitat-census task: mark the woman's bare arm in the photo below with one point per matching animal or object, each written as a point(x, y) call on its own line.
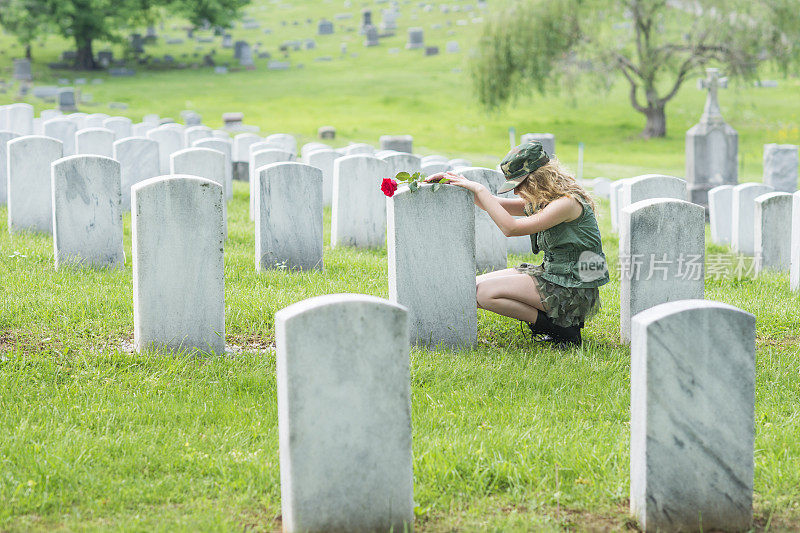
point(514, 206)
point(558, 211)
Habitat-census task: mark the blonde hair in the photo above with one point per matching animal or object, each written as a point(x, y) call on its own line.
point(551, 182)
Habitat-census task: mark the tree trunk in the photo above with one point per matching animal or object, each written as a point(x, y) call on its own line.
point(85, 55)
point(656, 122)
point(28, 53)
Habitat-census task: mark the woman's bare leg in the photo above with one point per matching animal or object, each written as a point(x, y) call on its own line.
point(513, 295)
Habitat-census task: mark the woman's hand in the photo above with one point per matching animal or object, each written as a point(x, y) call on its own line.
point(458, 180)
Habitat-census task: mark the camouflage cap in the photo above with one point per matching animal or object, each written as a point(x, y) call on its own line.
point(521, 161)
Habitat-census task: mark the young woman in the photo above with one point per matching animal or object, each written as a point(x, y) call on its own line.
point(556, 297)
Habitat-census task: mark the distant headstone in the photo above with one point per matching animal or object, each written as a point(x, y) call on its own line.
point(450, 319)
point(415, 38)
point(141, 129)
point(358, 214)
point(278, 65)
point(95, 141)
point(662, 256)
point(324, 160)
point(169, 141)
point(434, 168)
point(401, 162)
point(195, 133)
point(325, 27)
point(773, 215)
point(121, 126)
point(241, 155)
point(615, 198)
point(720, 216)
point(233, 120)
point(226, 147)
point(87, 212)
point(452, 47)
point(105, 58)
point(95, 120)
point(288, 217)
point(178, 269)
point(692, 417)
point(246, 56)
point(548, 141)
point(712, 146)
point(334, 422)
point(389, 20)
point(491, 245)
point(227, 41)
point(5, 136)
point(743, 220)
point(137, 43)
point(601, 187)
point(286, 142)
point(203, 163)
point(237, 49)
point(139, 161)
point(400, 143)
point(22, 70)
point(780, 166)
point(431, 50)
point(326, 132)
point(64, 130)
point(258, 159)
point(366, 19)
point(19, 118)
point(359, 149)
point(30, 199)
point(371, 34)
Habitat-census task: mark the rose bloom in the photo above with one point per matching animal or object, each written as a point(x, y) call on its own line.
point(388, 186)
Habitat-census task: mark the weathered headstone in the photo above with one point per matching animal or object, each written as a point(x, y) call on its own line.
point(95, 141)
point(662, 256)
point(241, 155)
point(692, 417)
point(452, 47)
point(325, 27)
point(389, 19)
point(246, 57)
point(371, 36)
point(5, 136)
point(402, 162)
point(258, 159)
point(601, 187)
point(794, 268)
point(650, 186)
point(224, 146)
point(359, 149)
point(66, 99)
point(780, 167)
point(139, 161)
point(491, 248)
point(288, 217)
point(195, 133)
point(121, 126)
point(434, 168)
point(712, 146)
point(178, 270)
point(95, 120)
point(141, 129)
point(332, 423)
point(87, 212)
point(203, 163)
point(743, 216)
point(416, 38)
point(30, 199)
point(326, 132)
point(548, 141)
point(19, 119)
point(358, 215)
point(720, 205)
point(450, 319)
point(169, 141)
point(324, 160)
point(22, 70)
point(615, 190)
point(286, 142)
point(773, 216)
point(400, 143)
point(64, 130)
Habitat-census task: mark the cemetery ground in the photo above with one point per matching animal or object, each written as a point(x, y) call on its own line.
point(509, 436)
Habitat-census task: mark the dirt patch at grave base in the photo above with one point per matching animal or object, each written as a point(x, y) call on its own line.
point(785, 342)
point(28, 342)
point(250, 343)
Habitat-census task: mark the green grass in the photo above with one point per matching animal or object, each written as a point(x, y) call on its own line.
point(508, 436)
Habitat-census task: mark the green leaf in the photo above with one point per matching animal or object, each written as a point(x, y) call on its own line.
point(413, 186)
point(403, 176)
point(436, 187)
point(416, 175)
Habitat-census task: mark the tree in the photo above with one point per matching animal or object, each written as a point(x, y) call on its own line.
point(656, 45)
point(23, 19)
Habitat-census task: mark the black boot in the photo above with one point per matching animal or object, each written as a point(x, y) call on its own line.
point(544, 330)
point(540, 330)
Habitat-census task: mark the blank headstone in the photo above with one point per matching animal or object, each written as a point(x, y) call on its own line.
point(203, 163)
point(794, 269)
point(402, 162)
point(434, 168)
point(780, 167)
point(30, 198)
point(324, 160)
point(358, 214)
point(141, 129)
point(662, 255)
point(615, 197)
point(743, 216)
point(241, 155)
point(548, 141)
point(491, 248)
point(87, 212)
point(5, 136)
point(95, 120)
point(450, 318)
point(288, 217)
point(287, 142)
point(459, 163)
point(416, 38)
point(139, 159)
point(601, 187)
point(19, 119)
point(651, 186)
point(344, 409)
point(399, 143)
point(169, 141)
point(772, 243)
point(720, 204)
point(95, 141)
point(359, 149)
point(177, 229)
point(64, 130)
point(224, 146)
point(257, 160)
point(692, 417)
point(121, 126)
point(195, 133)
point(312, 147)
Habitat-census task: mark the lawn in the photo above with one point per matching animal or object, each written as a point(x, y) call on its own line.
point(510, 435)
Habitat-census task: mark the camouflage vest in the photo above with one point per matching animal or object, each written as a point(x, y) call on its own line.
point(573, 251)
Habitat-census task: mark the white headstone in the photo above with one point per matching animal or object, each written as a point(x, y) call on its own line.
point(177, 230)
point(87, 212)
point(311, 147)
point(95, 141)
point(449, 319)
point(141, 129)
point(225, 146)
point(344, 406)
point(139, 159)
point(651, 186)
point(720, 204)
point(241, 146)
point(19, 119)
point(64, 130)
point(661, 254)
point(434, 159)
point(615, 197)
point(30, 198)
point(324, 160)
point(692, 417)
point(491, 248)
point(169, 141)
point(5, 136)
point(287, 142)
point(780, 167)
point(121, 126)
point(95, 120)
point(402, 162)
point(195, 133)
point(602, 187)
point(794, 269)
point(358, 214)
point(548, 141)
point(772, 241)
point(743, 216)
point(359, 149)
point(259, 159)
point(203, 163)
point(288, 217)
point(434, 168)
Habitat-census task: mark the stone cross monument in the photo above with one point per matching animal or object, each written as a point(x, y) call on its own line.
point(712, 146)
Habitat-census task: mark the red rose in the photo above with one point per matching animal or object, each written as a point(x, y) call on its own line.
point(388, 186)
